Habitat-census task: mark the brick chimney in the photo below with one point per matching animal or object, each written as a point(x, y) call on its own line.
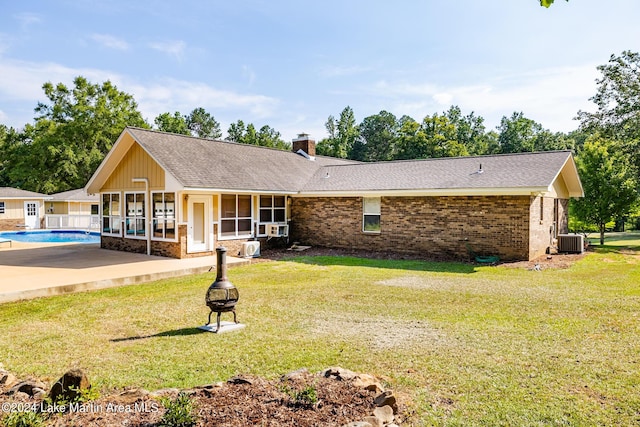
point(304, 143)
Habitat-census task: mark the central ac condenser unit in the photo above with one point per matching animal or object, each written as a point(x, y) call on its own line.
point(571, 243)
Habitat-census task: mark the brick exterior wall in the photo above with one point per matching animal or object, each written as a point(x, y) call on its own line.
point(170, 249)
point(435, 227)
point(543, 224)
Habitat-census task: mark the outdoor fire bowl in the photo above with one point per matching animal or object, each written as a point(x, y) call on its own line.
point(222, 296)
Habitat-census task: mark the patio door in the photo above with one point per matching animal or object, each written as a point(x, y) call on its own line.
point(31, 217)
point(199, 230)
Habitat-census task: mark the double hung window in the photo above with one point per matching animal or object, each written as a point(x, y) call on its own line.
point(371, 214)
point(235, 215)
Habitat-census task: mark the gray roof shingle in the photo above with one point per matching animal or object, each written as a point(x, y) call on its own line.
point(78, 195)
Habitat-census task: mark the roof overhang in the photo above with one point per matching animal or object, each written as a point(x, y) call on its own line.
point(200, 190)
point(569, 172)
point(441, 192)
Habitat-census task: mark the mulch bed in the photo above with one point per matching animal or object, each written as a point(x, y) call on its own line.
point(242, 401)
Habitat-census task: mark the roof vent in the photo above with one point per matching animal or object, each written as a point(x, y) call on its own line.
point(305, 155)
point(480, 169)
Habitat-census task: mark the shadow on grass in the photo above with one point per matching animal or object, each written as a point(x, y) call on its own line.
point(176, 332)
point(396, 264)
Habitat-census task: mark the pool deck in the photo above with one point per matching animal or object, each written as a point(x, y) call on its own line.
point(34, 270)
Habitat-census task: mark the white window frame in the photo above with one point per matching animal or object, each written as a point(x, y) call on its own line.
point(371, 209)
point(167, 215)
point(236, 219)
point(117, 218)
point(137, 218)
point(2, 209)
point(262, 232)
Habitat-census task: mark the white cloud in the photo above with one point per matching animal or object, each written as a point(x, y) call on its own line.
point(110, 41)
point(170, 94)
point(26, 19)
point(172, 48)
point(22, 83)
point(551, 96)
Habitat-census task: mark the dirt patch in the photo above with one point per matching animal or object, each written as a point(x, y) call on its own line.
point(380, 333)
point(546, 262)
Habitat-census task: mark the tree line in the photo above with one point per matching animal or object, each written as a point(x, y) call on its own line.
point(76, 128)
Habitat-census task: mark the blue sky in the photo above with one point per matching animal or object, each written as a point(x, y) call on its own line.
point(291, 64)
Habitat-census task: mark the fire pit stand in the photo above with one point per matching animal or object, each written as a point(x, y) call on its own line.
point(221, 296)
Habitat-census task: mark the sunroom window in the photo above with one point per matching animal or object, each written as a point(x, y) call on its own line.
point(235, 215)
point(135, 220)
point(111, 215)
point(164, 216)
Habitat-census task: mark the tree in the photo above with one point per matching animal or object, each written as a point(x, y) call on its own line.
point(236, 131)
point(518, 134)
point(618, 103)
point(378, 135)
point(175, 123)
point(202, 124)
point(608, 182)
point(71, 135)
point(265, 137)
point(547, 3)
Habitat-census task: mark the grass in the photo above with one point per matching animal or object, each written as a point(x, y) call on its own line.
point(462, 344)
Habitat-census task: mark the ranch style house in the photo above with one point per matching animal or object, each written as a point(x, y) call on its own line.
point(180, 196)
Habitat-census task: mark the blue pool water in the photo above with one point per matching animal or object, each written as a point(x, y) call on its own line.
point(52, 236)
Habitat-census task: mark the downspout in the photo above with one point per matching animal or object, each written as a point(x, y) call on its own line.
point(147, 205)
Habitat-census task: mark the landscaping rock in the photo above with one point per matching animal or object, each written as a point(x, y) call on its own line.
point(374, 421)
point(39, 393)
point(339, 373)
point(387, 398)
point(26, 387)
point(368, 382)
point(240, 380)
point(358, 424)
point(68, 387)
point(384, 414)
point(300, 374)
point(7, 379)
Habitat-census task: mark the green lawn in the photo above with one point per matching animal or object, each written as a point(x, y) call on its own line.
point(463, 345)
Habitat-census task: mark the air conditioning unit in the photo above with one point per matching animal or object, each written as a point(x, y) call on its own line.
point(277, 230)
point(250, 249)
point(571, 243)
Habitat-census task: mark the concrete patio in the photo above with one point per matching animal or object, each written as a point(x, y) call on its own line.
point(29, 270)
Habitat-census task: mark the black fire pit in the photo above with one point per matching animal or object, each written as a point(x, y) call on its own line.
point(222, 296)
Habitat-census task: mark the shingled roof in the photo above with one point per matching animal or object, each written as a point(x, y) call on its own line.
point(202, 164)
point(508, 173)
point(16, 193)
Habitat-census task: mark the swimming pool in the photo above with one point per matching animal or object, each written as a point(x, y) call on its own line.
point(52, 236)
